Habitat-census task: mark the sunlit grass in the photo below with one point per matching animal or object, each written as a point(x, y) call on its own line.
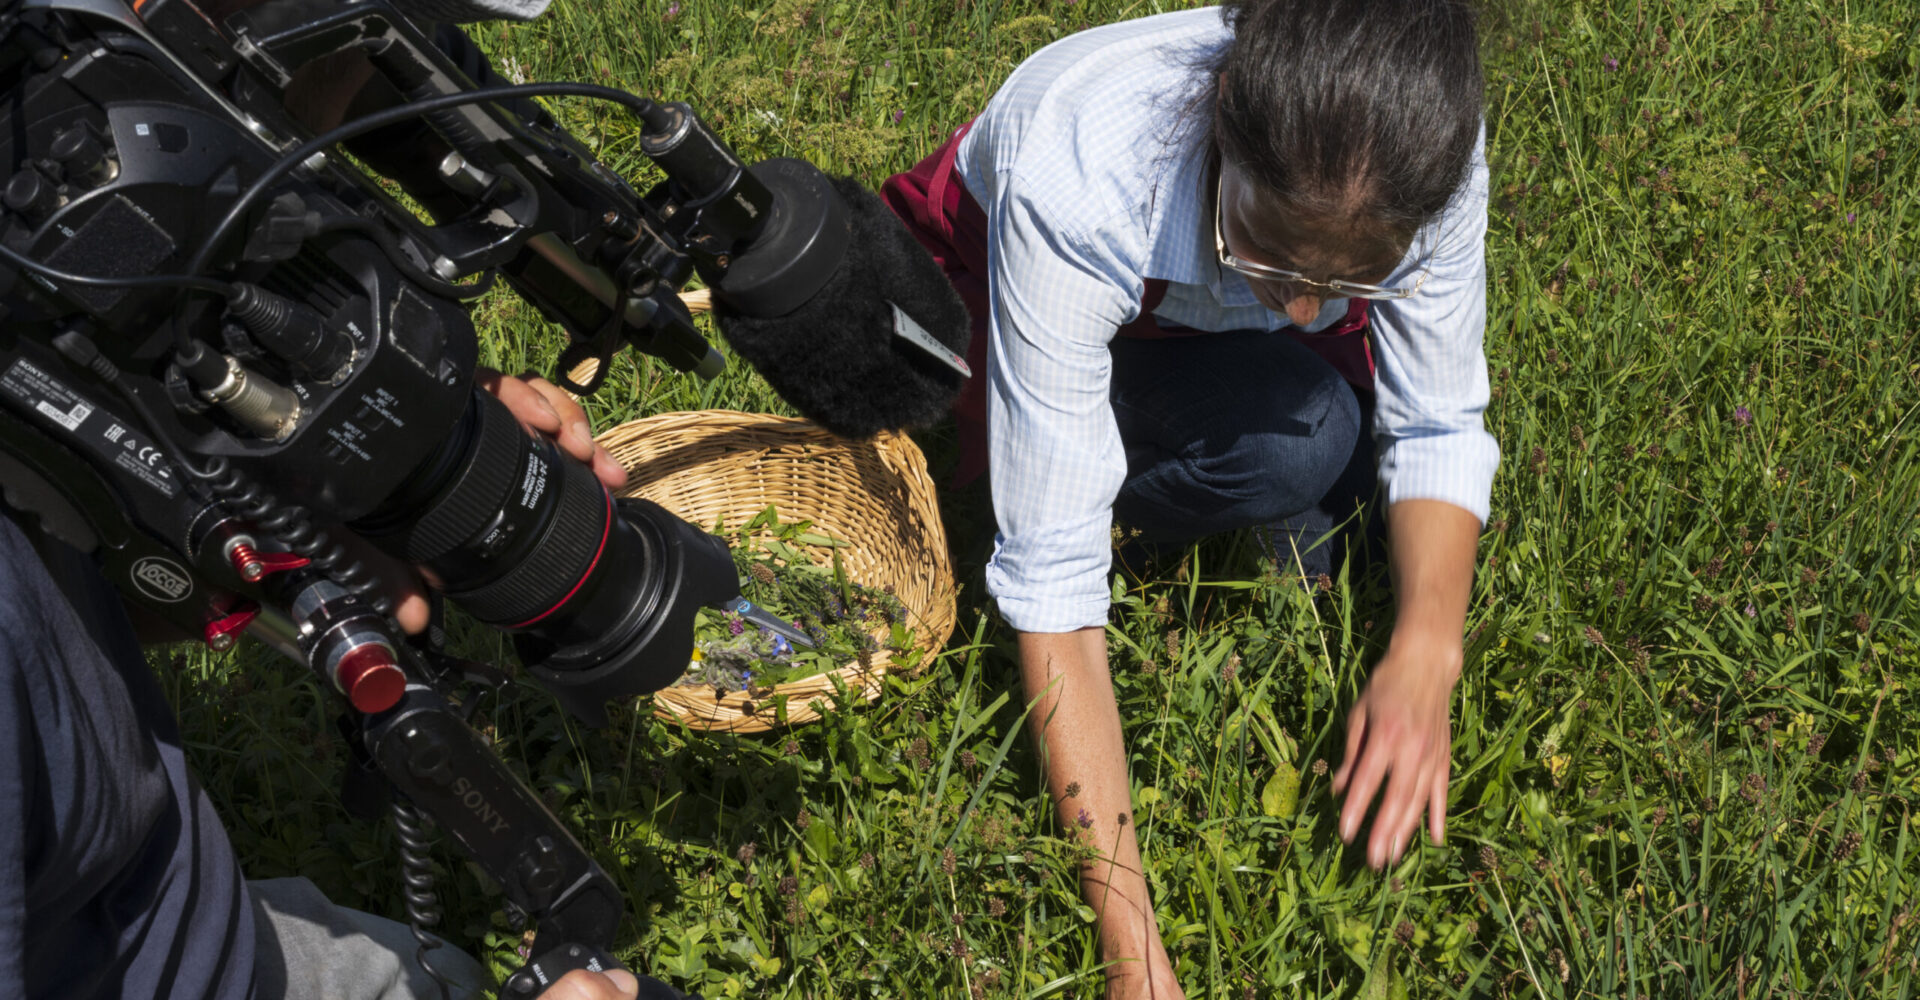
point(1685, 756)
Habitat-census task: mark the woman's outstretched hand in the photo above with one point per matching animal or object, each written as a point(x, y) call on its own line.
point(1399, 737)
point(1399, 742)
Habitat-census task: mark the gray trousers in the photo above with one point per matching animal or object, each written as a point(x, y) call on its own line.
point(311, 949)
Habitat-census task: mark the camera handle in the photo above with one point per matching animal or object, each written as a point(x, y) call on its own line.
point(428, 754)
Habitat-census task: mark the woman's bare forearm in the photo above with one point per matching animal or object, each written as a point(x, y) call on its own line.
point(1076, 722)
point(1434, 545)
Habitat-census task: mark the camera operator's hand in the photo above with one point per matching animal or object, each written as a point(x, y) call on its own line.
point(541, 407)
point(580, 984)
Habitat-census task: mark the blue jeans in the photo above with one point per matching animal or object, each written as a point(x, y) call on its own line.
point(1240, 430)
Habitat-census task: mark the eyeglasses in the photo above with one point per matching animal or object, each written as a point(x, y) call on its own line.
point(1340, 289)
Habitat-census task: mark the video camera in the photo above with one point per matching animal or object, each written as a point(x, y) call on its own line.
point(221, 340)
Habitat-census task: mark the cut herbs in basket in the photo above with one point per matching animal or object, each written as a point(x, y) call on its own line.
point(848, 623)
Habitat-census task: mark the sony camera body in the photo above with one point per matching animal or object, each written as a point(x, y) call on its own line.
point(223, 343)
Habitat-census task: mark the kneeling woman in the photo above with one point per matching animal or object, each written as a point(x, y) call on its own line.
point(1219, 261)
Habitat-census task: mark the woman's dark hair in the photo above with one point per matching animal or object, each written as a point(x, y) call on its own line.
point(1363, 110)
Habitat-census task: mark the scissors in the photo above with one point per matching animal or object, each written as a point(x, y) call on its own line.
point(749, 611)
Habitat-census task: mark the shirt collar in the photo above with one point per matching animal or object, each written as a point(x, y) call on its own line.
point(1180, 228)
point(1180, 246)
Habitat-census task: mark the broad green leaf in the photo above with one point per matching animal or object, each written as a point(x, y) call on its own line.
point(1282, 792)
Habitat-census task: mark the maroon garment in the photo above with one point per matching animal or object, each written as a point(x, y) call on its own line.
point(933, 201)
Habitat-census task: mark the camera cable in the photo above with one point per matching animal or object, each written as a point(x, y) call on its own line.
point(16, 258)
point(194, 277)
point(649, 112)
point(289, 524)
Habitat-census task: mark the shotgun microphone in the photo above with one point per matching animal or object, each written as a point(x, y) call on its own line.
point(877, 343)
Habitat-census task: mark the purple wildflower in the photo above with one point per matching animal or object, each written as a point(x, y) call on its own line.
point(734, 627)
point(1742, 416)
point(673, 10)
point(897, 115)
point(1085, 819)
point(781, 647)
point(1611, 63)
point(1751, 612)
point(1849, 218)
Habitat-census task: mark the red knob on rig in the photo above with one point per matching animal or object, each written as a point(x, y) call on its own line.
point(370, 678)
point(253, 565)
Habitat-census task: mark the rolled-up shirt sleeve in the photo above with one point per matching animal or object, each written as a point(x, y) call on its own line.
point(1056, 458)
point(1430, 366)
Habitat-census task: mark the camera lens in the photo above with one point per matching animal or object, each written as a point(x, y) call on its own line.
point(600, 593)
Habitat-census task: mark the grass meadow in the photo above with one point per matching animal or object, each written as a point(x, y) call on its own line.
point(1687, 761)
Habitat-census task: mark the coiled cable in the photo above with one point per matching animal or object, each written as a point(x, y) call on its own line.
point(416, 878)
point(291, 525)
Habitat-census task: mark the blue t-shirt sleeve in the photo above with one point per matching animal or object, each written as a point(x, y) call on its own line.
point(17, 761)
point(116, 878)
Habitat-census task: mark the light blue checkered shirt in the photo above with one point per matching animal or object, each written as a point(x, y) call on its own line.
point(1090, 187)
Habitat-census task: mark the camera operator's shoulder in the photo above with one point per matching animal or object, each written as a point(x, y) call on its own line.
point(22, 572)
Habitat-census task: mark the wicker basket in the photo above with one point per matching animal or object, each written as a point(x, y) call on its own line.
point(719, 467)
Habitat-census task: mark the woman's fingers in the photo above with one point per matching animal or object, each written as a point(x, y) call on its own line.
point(1400, 807)
point(1369, 774)
point(1389, 817)
point(1437, 791)
point(1356, 736)
point(1407, 767)
point(1398, 741)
